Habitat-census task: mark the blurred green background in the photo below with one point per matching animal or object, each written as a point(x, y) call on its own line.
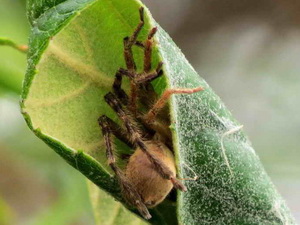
point(248, 51)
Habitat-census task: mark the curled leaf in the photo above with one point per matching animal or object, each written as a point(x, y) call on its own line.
point(75, 50)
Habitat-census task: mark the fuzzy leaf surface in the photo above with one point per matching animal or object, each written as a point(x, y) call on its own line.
point(69, 72)
point(75, 49)
point(233, 187)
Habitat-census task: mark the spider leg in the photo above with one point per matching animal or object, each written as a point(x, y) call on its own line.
point(151, 75)
point(129, 192)
point(137, 139)
point(117, 87)
point(148, 50)
point(140, 44)
point(127, 73)
point(144, 78)
point(130, 41)
point(121, 94)
point(118, 131)
point(161, 102)
point(129, 60)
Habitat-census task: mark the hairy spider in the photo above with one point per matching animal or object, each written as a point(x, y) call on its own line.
point(150, 173)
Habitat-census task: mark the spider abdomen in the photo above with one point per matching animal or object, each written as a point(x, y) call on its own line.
point(152, 187)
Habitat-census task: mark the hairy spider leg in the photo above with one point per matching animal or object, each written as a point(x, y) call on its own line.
point(148, 50)
point(129, 192)
point(137, 140)
point(143, 80)
point(130, 41)
point(161, 102)
point(150, 76)
point(139, 78)
point(121, 94)
point(117, 130)
point(140, 44)
point(124, 99)
point(136, 80)
point(129, 60)
point(117, 87)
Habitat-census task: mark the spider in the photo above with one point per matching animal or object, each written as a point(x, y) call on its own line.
point(150, 173)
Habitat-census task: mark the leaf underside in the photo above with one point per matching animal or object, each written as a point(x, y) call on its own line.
point(75, 50)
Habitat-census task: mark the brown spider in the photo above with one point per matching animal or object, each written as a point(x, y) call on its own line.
point(150, 173)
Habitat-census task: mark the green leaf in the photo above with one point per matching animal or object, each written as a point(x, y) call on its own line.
point(35, 8)
point(233, 187)
point(108, 211)
point(75, 50)
point(67, 77)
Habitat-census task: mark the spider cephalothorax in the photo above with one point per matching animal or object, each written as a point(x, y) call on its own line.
point(150, 173)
